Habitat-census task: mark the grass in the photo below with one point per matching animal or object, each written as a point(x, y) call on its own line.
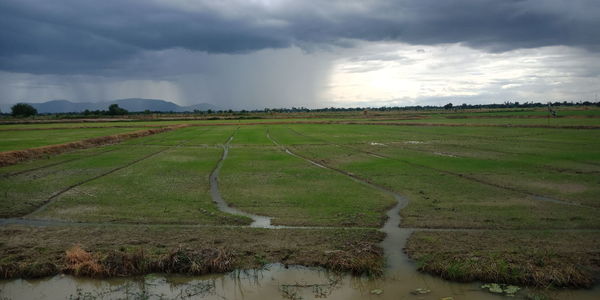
point(267, 181)
point(471, 177)
point(190, 136)
point(23, 139)
point(171, 187)
point(23, 193)
point(123, 183)
point(543, 258)
point(126, 250)
point(455, 190)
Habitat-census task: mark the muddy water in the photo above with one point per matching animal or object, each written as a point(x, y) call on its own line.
point(274, 282)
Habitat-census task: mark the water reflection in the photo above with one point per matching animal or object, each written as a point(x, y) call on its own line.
point(273, 282)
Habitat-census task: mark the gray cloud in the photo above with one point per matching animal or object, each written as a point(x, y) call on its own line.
point(254, 54)
point(265, 78)
point(75, 36)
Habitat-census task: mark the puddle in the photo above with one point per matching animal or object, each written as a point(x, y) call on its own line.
point(444, 154)
point(542, 198)
point(274, 282)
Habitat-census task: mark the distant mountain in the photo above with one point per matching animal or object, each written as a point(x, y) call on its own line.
point(131, 104)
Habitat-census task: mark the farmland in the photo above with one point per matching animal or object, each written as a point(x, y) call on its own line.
point(11, 139)
point(327, 182)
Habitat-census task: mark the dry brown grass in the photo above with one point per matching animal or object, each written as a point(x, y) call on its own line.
point(136, 262)
point(560, 259)
point(131, 250)
point(82, 263)
point(196, 261)
point(123, 263)
point(358, 258)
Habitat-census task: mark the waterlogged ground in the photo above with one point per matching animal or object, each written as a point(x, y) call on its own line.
point(270, 282)
point(473, 200)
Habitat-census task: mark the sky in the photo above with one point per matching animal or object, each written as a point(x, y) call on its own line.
point(254, 54)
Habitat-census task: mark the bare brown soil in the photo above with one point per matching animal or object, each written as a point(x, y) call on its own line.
point(559, 259)
point(119, 251)
point(12, 157)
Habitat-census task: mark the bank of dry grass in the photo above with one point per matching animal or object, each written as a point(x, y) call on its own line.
point(132, 250)
point(546, 259)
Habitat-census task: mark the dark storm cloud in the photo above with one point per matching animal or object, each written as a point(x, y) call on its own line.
point(79, 36)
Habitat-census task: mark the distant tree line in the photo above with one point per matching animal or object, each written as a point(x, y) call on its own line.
point(113, 110)
point(448, 106)
point(26, 110)
point(21, 110)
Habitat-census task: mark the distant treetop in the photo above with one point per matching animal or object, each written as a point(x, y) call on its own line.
point(23, 110)
point(115, 110)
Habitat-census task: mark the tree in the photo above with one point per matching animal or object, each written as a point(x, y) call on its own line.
point(115, 110)
point(23, 110)
point(448, 106)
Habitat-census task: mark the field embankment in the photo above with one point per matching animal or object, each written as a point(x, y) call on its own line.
point(542, 258)
point(121, 251)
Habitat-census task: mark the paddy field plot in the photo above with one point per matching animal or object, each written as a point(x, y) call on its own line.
point(265, 180)
point(515, 184)
point(471, 188)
